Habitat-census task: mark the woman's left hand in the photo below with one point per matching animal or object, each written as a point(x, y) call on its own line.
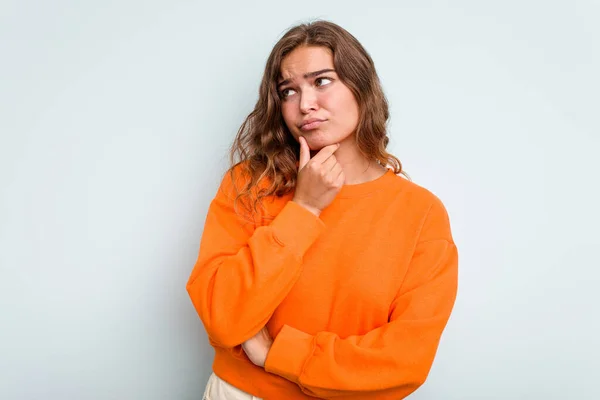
point(257, 347)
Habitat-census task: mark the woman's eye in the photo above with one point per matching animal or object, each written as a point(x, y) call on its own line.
point(323, 81)
point(287, 92)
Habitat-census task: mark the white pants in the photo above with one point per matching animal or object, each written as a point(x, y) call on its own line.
point(218, 389)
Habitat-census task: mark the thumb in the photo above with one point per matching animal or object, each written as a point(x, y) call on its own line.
point(304, 153)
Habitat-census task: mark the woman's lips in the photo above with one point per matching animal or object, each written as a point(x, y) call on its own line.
point(311, 125)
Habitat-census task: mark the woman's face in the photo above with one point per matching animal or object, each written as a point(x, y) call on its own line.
point(315, 103)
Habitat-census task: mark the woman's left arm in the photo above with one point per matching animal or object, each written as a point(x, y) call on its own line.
point(391, 361)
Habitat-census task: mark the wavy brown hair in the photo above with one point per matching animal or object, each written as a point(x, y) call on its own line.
point(266, 153)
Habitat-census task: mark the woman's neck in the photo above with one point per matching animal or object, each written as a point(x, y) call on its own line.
point(357, 169)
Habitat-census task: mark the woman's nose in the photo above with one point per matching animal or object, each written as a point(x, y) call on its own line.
point(308, 101)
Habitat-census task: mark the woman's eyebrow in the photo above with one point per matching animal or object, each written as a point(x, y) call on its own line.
point(306, 76)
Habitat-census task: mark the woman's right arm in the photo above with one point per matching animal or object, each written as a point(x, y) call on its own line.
point(242, 274)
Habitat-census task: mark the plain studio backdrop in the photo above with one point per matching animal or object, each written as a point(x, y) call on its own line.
point(115, 120)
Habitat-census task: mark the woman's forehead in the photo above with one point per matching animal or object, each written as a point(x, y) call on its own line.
point(305, 61)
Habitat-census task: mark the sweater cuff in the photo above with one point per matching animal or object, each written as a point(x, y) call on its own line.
point(289, 352)
point(296, 228)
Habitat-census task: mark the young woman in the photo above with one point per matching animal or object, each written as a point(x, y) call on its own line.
point(321, 272)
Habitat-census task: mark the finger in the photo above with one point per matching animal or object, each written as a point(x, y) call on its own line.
point(329, 163)
point(304, 153)
point(336, 170)
point(325, 152)
point(341, 177)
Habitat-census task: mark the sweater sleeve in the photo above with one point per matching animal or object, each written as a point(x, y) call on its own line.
point(390, 361)
point(243, 273)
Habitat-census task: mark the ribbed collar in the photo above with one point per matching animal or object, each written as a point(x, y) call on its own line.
point(362, 189)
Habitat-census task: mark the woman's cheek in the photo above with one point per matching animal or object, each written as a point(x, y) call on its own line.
point(288, 118)
point(325, 100)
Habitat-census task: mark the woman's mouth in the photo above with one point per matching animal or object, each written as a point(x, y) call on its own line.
point(311, 124)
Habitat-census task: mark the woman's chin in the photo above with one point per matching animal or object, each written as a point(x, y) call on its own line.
point(316, 144)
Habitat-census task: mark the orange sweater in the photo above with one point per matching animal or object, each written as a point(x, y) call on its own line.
point(356, 299)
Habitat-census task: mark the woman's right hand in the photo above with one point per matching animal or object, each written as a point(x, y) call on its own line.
point(319, 179)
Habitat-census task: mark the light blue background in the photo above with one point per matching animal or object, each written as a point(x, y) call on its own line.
point(115, 119)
